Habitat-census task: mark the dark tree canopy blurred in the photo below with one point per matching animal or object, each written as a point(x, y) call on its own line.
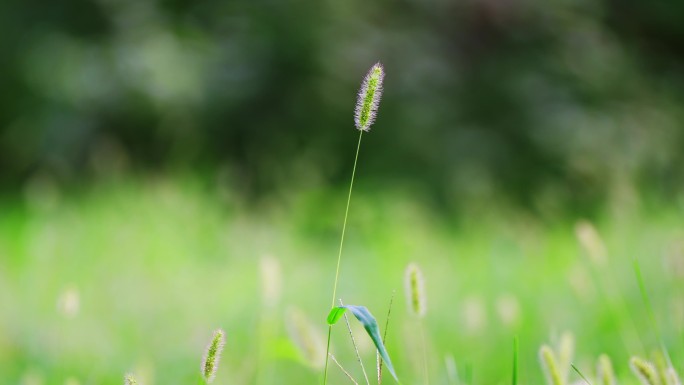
point(578, 101)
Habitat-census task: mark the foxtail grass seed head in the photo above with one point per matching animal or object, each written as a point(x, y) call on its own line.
point(308, 340)
point(672, 378)
point(369, 98)
point(550, 366)
point(645, 371)
point(130, 380)
point(271, 282)
point(414, 286)
point(591, 242)
point(213, 355)
point(566, 352)
point(605, 372)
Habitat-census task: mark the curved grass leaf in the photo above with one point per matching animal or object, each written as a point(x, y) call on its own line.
point(370, 324)
point(335, 314)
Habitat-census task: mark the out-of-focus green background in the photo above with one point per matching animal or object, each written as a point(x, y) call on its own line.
point(170, 167)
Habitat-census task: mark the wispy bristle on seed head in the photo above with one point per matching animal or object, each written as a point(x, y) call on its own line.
point(130, 380)
point(645, 371)
point(414, 286)
point(369, 98)
point(550, 366)
point(212, 355)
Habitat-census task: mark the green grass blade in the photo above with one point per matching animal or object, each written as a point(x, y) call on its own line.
point(371, 325)
point(514, 380)
point(580, 374)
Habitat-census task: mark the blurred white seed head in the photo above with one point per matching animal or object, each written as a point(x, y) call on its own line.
point(645, 371)
point(549, 364)
point(604, 371)
point(271, 282)
point(566, 352)
point(414, 288)
point(369, 98)
point(474, 314)
point(508, 308)
point(32, 377)
point(130, 380)
point(591, 242)
point(69, 302)
point(672, 377)
point(308, 340)
point(212, 355)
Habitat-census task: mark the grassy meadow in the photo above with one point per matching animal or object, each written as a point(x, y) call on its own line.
point(134, 275)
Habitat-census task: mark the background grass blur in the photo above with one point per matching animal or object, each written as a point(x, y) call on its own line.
point(153, 153)
point(155, 264)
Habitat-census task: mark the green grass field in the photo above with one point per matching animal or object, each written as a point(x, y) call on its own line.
point(135, 275)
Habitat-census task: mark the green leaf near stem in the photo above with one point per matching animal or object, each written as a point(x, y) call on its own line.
point(370, 324)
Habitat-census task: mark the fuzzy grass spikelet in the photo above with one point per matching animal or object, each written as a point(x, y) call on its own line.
point(645, 371)
point(414, 286)
point(566, 352)
point(671, 376)
point(369, 98)
point(306, 338)
point(604, 371)
point(213, 355)
point(130, 380)
point(550, 365)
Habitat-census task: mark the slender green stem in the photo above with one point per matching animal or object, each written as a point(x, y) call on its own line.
point(426, 377)
point(580, 374)
point(339, 253)
point(514, 380)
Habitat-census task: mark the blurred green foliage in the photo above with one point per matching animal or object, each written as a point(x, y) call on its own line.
point(135, 276)
point(577, 102)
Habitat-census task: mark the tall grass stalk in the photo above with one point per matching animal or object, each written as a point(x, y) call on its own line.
point(364, 116)
point(514, 380)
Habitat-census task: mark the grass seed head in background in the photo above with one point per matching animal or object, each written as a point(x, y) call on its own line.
point(645, 371)
point(271, 282)
point(369, 98)
point(130, 380)
point(549, 364)
point(566, 352)
point(414, 286)
point(591, 242)
point(306, 338)
point(671, 376)
point(213, 355)
point(604, 371)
